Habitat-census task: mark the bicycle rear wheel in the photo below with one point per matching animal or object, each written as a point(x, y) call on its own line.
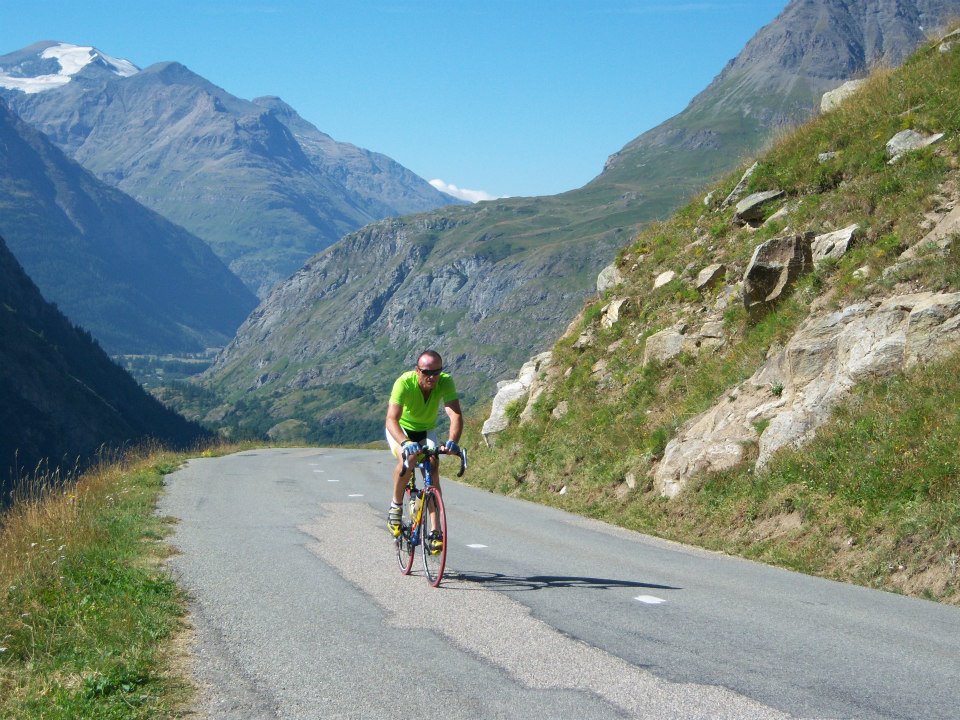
point(434, 520)
point(405, 546)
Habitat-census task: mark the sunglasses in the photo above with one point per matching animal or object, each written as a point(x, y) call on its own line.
point(430, 373)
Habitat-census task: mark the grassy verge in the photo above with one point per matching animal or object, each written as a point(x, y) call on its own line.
point(91, 620)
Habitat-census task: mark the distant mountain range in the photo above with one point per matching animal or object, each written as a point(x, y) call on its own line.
point(135, 280)
point(61, 397)
point(491, 284)
point(263, 187)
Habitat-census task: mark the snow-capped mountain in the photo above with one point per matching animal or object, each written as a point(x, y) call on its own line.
point(48, 65)
point(259, 184)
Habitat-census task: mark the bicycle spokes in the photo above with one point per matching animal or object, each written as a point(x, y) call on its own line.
point(433, 533)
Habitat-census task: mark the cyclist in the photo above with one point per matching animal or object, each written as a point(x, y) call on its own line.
point(411, 420)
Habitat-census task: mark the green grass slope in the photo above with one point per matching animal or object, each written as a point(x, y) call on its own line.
point(875, 498)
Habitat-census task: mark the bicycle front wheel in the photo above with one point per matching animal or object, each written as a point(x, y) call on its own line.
point(405, 546)
point(434, 534)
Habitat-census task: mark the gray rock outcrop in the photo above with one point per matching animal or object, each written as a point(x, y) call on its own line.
point(741, 187)
point(908, 140)
point(610, 313)
point(834, 245)
point(664, 278)
point(797, 388)
point(940, 236)
point(664, 345)
point(512, 391)
point(710, 276)
point(608, 278)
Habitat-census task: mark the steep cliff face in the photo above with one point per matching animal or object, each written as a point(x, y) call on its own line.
point(363, 309)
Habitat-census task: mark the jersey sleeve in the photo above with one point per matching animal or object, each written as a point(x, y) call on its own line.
point(449, 390)
point(396, 394)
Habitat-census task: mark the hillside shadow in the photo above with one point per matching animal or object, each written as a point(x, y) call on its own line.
point(499, 581)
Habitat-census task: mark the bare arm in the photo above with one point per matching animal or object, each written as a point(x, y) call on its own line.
point(455, 414)
point(394, 411)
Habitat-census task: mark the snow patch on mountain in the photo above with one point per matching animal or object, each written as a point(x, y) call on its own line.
point(72, 59)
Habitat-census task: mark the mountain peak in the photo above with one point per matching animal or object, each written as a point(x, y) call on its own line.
point(50, 64)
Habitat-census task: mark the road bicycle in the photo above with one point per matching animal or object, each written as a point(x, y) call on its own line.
point(423, 517)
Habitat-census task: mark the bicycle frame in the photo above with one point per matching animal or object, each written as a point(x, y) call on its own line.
point(423, 465)
point(414, 533)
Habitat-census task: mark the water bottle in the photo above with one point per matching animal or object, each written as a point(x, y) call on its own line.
point(414, 496)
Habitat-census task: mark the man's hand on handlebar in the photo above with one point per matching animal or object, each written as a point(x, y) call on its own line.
point(451, 448)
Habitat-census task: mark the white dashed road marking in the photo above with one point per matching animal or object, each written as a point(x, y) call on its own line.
point(650, 599)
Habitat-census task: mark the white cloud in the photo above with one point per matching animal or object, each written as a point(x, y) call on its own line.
point(462, 193)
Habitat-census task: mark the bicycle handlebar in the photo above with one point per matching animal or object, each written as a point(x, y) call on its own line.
point(440, 450)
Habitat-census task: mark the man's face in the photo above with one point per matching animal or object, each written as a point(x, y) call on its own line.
point(428, 371)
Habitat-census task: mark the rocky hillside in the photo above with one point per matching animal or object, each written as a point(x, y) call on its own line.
point(61, 398)
point(773, 371)
point(135, 280)
point(490, 285)
point(264, 188)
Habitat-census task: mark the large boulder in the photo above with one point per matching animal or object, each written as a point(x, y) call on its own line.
point(774, 267)
point(664, 278)
point(711, 276)
point(664, 345)
point(831, 100)
point(751, 209)
point(908, 140)
point(610, 313)
point(834, 245)
point(741, 187)
point(608, 278)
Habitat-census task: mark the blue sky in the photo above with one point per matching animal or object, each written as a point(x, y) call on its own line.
point(504, 98)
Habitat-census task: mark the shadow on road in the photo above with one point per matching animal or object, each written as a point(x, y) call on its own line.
point(500, 581)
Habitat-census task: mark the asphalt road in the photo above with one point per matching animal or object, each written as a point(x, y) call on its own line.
point(300, 612)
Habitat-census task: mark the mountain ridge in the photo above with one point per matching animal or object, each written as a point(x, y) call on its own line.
point(138, 282)
point(548, 251)
point(228, 170)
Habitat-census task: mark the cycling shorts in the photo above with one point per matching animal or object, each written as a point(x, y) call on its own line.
point(424, 437)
